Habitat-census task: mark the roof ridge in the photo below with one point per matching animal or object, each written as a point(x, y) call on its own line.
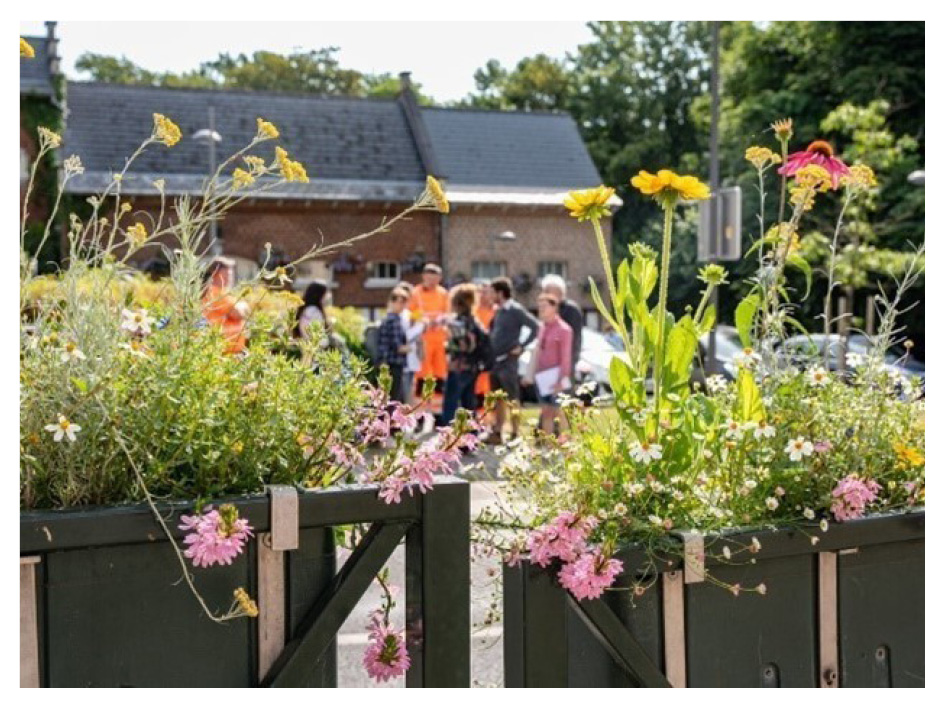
point(555, 113)
point(234, 91)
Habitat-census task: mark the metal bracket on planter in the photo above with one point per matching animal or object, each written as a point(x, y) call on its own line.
point(283, 535)
point(674, 628)
point(827, 619)
point(29, 628)
point(693, 557)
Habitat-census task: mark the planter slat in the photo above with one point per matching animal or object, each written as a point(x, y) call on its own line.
point(779, 639)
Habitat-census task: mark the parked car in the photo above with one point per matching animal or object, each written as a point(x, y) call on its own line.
point(727, 345)
point(593, 365)
point(802, 350)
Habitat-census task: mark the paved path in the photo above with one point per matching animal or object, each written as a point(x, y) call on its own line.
point(486, 642)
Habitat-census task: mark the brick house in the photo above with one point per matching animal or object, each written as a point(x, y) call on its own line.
point(505, 174)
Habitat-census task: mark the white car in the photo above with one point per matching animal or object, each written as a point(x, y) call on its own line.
point(593, 364)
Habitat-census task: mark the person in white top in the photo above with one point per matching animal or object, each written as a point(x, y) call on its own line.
point(317, 297)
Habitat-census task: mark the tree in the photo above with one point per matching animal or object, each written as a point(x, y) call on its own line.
point(316, 71)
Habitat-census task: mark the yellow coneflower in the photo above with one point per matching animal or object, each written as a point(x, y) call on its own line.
point(590, 203)
point(783, 129)
point(667, 184)
point(26, 49)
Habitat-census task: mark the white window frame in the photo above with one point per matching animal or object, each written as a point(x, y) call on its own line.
point(375, 281)
point(502, 270)
point(543, 271)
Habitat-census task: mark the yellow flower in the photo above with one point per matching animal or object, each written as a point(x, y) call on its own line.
point(246, 604)
point(667, 185)
point(266, 130)
point(813, 177)
point(435, 190)
point(761, 157)
point(165, 130)
point(237, 447)
point(256, 164)
point(137, 233)
point(241, 178)
point(26, 50)
point(291, 170)
point(590, 203)
point(860, 177)
point(48, 137)
point(783, 129)
point(908, 456)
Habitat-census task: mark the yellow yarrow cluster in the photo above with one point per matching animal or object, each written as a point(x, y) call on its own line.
point(809, 180)
point(26, 49)
point(291, 170)
point(266, 130)
point(137, 233)
point(257, 165)
point(166, 131)
point(48, 138)
point(246, 604)
point(667, 185)
point(590, 203)
point(242, 178)
point(437, 195)
point(860, 177)
point(761, 157)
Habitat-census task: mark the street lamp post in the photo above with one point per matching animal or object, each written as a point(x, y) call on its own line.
point(209, 137)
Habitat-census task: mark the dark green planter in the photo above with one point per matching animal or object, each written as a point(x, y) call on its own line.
point(112, 611)
point(848, 612)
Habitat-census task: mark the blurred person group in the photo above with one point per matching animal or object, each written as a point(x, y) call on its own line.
point(469, 339)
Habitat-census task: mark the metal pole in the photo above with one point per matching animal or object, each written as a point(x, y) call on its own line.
point(215, 246)
point(715, 203)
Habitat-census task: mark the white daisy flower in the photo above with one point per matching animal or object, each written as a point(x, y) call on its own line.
point(655, 521)
point(824, 525)
point(764, 430)
point(818, 377)
point(755, 546)
point(137, 322)
point(798, 448)
point(71, 351)
point(620, 509)
point(646, 452)
point(726, 552)
point(733, 430)
point(64, 428)
point(634, 488)
point(808, 513)
point(747, 358)
point(716, 383)
point(855, 360)
point(772, 503)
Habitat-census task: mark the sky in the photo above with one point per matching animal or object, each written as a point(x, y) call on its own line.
point(441, 55)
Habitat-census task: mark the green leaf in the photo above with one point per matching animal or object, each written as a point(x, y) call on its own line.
point(680, 350)
point(80, 385)
point(800, 263)
point(623, 285)
point(643, 275)
point(748, 397)
point(621, 378)
point(745, 316)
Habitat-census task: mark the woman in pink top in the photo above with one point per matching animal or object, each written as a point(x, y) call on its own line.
point(553, 353)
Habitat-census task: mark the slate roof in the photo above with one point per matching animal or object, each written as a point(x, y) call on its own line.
point(509, 149)
point(34, 73)
point(352, 148)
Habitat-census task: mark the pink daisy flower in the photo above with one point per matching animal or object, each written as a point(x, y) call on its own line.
point(216, 536)
point(818, 153)
point(386, 654)
point(851, 496)
point(590, 574)
point(563, 538)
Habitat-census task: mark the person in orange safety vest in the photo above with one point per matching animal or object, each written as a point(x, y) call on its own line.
point(430, 300)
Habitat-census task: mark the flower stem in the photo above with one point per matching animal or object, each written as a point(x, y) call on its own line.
point(661, 308)
point(611, 283)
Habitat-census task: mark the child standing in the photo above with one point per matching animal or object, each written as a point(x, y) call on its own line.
point(392, 344)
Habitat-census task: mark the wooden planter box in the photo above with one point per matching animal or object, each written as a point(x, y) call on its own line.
point(103, 604)
point(847, 612)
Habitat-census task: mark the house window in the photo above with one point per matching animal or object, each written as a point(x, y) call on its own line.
point(383, 274)
point(557, 268)
point(487, 270)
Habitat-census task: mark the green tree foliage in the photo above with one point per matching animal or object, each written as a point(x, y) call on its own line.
point(317, 71)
